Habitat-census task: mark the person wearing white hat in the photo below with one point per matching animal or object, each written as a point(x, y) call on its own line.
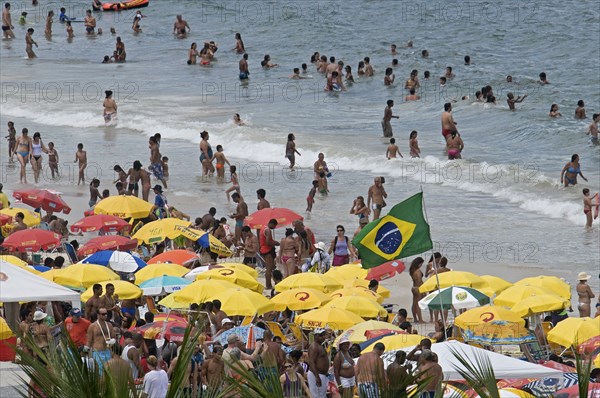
point(40, 331)
point(585, 294)
point(343, 369)
point(321, 260)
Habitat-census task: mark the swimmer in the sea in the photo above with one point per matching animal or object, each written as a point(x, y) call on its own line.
point(580, 110)
point(7, 25)
point(593, 129)
point(448, 123)
point(588, 205)
point(511, 101)
point(554, 111)
point(412, 96)
point(192, 54)
point(449, 74)
point(81, 158)
point(243, 67)
point(389, 77)
point(29, 42)
point(89, 22)
point(181, 27)
point(221, 160)
point(543, 78)
point(454, 146)
point(387, 117)
point(413, 144)
point(296, 75)
point(392, 150)
point(238, 120)
point(291, 151)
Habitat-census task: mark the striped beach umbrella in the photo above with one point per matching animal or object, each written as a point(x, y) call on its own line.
point(457, 297)
point(117, 260)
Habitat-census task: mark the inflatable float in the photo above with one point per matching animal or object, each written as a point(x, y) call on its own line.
point(125, 5)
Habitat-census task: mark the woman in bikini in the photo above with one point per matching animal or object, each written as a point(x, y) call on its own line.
point(588, 205)
point(360, 209)
point(417, 278)
point(120, 49)
point(343, 369)
point(110, 108)
point(568, 175)
point(235, 184)
point(585, 294)
point(239, 44)
point(192, 54)
point(415, 151)
point(37, 148)
point(206, 55)
point(288, 251)
point(454, 146)
point(24, 144)
point(206, 155)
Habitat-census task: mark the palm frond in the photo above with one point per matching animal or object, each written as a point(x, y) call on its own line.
point(478, 373)
point(583, 364)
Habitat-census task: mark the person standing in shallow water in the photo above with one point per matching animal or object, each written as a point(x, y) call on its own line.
point(110, 107)
point(290, 150)
point(387, 117)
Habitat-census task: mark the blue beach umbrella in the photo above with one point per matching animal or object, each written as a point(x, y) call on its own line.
point(41, 268)
point(163, 285)
point(118, 261)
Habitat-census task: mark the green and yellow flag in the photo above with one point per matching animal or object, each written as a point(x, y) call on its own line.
point(403, 232)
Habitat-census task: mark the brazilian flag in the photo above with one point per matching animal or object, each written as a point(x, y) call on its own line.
point(403, 232)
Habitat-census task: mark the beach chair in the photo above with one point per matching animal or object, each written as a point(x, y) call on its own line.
point(247, 321)
point(299, 335)
point(70, 250)
point(277, 331)
point(151, 305)
point(535, 352)
point(554, 348)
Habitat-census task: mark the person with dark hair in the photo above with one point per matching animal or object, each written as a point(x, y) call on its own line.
point(467, 60)
point(94, 302)
point(341, 248)
point(431, 372)
point(454, 146)
point(595, 375)
point(288, 253)
point(417, 278)
point(424, 344)
point(243, 67)
point(241, 212)
point(370, 371)
point(19, 224)
point(397, 375)
point(262, 202)
point(580, 110)
point(387, 117)
point(368, 68)
point(543, 78)
point(219, 313)
point(291, 151)
point(29, 43)
point(406, 326)
point(250, 245)
point(267, 250)
point(373, 285)
point(569, 173)
point(110, 105)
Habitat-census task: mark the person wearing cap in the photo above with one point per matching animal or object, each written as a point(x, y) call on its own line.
point(321, 260)
point(318, 365)
point(267, 250)
point(430, 372)
point(40, 331)
point(343, 369)
point(585, 294)
point(226, 324)
point(160, 202)
point(370, 372)
point(77, 327)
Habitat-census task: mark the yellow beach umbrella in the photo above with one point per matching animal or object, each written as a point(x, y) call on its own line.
point(333, 318)
point(361, 306)
point(300, 299)
point(497, 284)
point(238, 277)
point(124, 206)
point(32, 270)
point(154, 270)
point(169, 302)
point(574, 331)
point(243, 302)
point(159, 230)
point(514, 393)
point(5, 332)
point(456, 278)
point(31, 218)
point(396, 342)
point(348, 271)
point(486, 314)
point(81, 276)
point(356, 334)
point(198, 292)
point(382, 291)
point(13, 260)
point(311, 280)
point(125, 290)
point(514, 294)
point(357, 291)
point(552, 283)
point(241, 267)
point(537, 303)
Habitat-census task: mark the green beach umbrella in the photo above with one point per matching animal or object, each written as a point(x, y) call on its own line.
point(456, 297)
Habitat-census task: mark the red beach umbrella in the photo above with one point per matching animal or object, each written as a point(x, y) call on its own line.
point(47, 200)
point(4, 219)
point(386, 270)
point(109, 242)
point(261, 218)
point(173, 330)
point(32, 240)
point(590, 345)
point(100, 222)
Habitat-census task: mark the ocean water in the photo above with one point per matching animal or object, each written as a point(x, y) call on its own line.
point(501, 204)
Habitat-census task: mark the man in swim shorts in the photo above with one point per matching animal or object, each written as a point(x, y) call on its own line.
point(241, 212)
point(448, 123)
point(376, 195)
point(7, 26)
point(89, 22)
point(387, 117)
point(244, 72)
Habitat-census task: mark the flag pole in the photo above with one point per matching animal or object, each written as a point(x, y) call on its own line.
point(435, 266)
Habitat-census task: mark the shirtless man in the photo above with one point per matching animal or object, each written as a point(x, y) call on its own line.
point(29, 42)
point(454, 146)
point(392, 150)
point(272, 355)
point(320, 165)
point(143, 178)
point(368, 68)
point(7, 25)
point(89, 22)
point(370, 372)
point(291, 151)
point(19, 225)
point(448, 123)
point(48, 30)
point(588, 206)
point(412, 96)
point(511, 101)
point(429, 369)
point(100, 338)
point(593, 128)
point(387, 117)
point(243, 66)
point(181, 27)
point(580, 110)
point(94, 302)
point(81, 158)
point(109, 301)
point(241, 212)
point(262, 202)
point(318, 365)
point(213, 370)
point(250, 247)
point(331, 67)
point(12, 141)
point(376, 195)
